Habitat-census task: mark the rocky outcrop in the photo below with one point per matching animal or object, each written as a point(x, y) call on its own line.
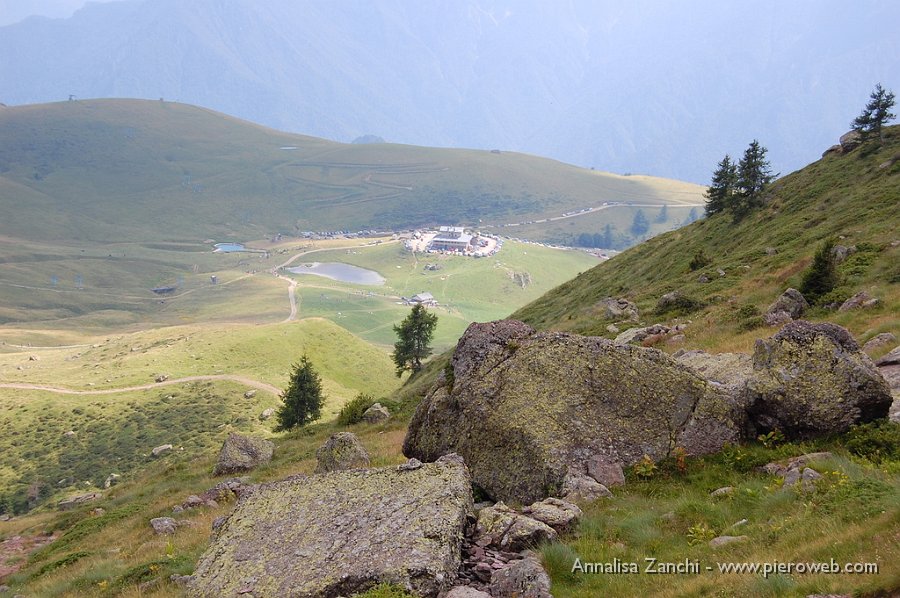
point(850, 141)
point(341, 452)
point(342, 532)
point(812, 379)
point(76, 501)
point(161, 450)
point(527, 410)
point(242, 453)
point(507, 529)
point(789, 306)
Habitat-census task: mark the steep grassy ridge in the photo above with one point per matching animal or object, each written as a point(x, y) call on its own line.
point(853, 198)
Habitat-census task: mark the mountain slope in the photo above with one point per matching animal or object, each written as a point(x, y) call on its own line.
point(854, 198)
point(642, 87)
point(111, 170)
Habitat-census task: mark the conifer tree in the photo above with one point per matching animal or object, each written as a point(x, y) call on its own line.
point(876, 114)
point(413, 335)
point(719, 193)
point(753, 174)
point(640, 225)
point(821, 276)
point(303, 399)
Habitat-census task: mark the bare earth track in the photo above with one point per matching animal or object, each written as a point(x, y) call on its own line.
point(111, 391)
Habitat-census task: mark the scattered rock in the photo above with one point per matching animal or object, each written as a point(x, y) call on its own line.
point(70, 434)
point(4, 589)
point(75, 501)
point(33, 358)
point(376, 413)
point(242, 453)
point(181, 580)
point(777, 318)
point(726, 540)
point(267, 413)
point(525, 578)
point(525, 408)
point(612, 329)
point(466, 592)
point(840, 253)
point(605, 471)
point(791, 302)
point(162, 377)
point(720, 272)
point(161, 450)
point(861, 300)
point(164, 525)
point(341, 452)
point(250, 394)
point(676, 339)
point(771, 251)
point(703, 279)
point(410, 465)
point(812, 379)
point(639, 335)
point(723, 491)
point(879, 340)
point(558, 514)
point(780, 468)
point(808, 479)
point(669, 301)
point(850, 141)
point(111, 480)
point(342, 532)
point(509, 530)
point(580, 487)
point(618, 309)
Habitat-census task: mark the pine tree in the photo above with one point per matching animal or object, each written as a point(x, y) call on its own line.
point(875, 115)
point(719, 193)
point(414, 333)
point(607, 241)
point(303, 399)
point(640, 225)
point(753, 174)
point(663, 215)
point(821, 276)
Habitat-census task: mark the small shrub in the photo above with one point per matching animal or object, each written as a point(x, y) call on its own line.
point(700, 533)
point(771, 439)
point(751, 323)
point(352, 412)
point(700, 260)
point(747, 310)
point(877, 441)
point(645, 468)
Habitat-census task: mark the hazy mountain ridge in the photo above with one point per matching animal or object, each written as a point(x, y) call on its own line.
point(521, 76)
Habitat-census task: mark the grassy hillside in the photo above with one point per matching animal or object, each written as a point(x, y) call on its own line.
point(853, 198)
point(126, 170)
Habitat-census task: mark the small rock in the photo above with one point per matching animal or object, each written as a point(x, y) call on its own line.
point(840, 253)
point(725, 540)
point(376, 413)
point(192, 501)
point(70, 434)
point(466, 592)
point(510, 530)
point(808, 479)
point(249, 394)
point(771, 251)
point(242, 453)
point(579, 487)
point(558, 514)
point(792, 302)
point(74, 501)
point(724, 491)
point(720, 272)
point(161, 450)
point(612, 329)
point(606, 471)
point(525, 578)
point(33, 358)
point(410, 465)
point(266, 414)
point(181, 580)
point(879, 340)
point(178, 509)
point(163, 525)
point(736, 524)
point(162, 377)
point(676, 339)
point(342, 451)
point(861, 300)
point(703, 279)
point(111, 480)
point(850, 141)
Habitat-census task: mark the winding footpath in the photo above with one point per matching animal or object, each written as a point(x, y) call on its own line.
point(111, 391)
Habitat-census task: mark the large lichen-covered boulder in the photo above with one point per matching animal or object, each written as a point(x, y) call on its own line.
point(813, 379)
point(526, 408)
point(342, 532)
point(791, 302)
point(242, 453)
point(342, 451)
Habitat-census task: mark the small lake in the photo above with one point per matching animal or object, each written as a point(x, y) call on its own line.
point(340, 272)
point(229, 247)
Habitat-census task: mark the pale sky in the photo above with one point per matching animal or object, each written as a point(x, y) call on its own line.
point(13, 11)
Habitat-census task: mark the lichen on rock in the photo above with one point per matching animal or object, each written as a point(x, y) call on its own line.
point(342, 532)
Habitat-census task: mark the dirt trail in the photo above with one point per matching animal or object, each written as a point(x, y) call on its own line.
point(111, 391)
